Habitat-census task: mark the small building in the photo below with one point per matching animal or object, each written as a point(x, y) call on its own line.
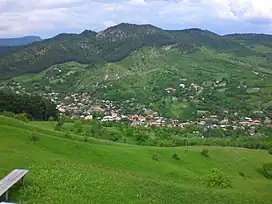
point(170, 89)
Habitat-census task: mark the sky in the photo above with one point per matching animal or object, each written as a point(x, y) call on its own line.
point(47, 18)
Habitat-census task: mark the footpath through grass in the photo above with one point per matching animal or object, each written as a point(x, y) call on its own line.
point(68, 171)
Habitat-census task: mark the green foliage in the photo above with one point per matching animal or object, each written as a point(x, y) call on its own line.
point(242, 174)
point(7, 114)
point(35, 106)
point(216, 178)
point(266, 170)
point(205, 152)
point(22, 116)
point(224, 69)
point(59, 125)
point(111, 168)
point(176, 156)
point(85, 139)
point(155, 157)
point(112, 134)
point(51, 118)
point(78, 126)
point(34, 136)
point(270, 151)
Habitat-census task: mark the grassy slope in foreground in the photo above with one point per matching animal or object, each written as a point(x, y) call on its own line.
point(66, 171)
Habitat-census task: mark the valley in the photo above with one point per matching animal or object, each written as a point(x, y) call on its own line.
point(139, 114)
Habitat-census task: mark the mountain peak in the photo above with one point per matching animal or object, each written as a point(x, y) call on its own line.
point(88, 33)
point(126, 30)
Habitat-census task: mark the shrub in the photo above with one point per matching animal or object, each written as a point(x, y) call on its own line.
point(59, 125)
point(35, 138)
point(205, 152)
point(7, 114)
point(216, 178)
point(51, 118)
point(85, 139)
point(266, 170)
point(67, 135)
point(22, 116)
point(112, 134)
point(241, 174)
point(270, 151)
point(78, 126)
point(155, 157)
point(175, 156)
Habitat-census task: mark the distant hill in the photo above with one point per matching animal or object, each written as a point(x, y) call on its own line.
point(19, 41)
point(111, 45)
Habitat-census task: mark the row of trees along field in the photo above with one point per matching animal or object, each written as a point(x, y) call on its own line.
point(163, 136)
point(34, 106)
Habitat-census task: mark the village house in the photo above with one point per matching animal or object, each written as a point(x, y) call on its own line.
point(169, 90)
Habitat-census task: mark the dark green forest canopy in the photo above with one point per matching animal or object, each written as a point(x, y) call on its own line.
point(114, 44)
point(35, 106)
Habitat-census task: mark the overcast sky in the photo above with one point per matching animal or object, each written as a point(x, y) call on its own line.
point(47, 18)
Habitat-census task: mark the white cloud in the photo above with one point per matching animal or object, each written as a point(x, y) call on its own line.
point(49, 17)
point(243, 9)
point(138, 2)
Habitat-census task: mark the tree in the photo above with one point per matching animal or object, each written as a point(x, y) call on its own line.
point(78, 126)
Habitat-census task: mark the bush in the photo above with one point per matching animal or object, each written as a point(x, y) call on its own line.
point(112, 134)
point(8, 114)
point(216, 178)
point(241, 174)
point(59, 125)
point(175, 156)
point(155, 157)
point(51, 118)
point(78, 126)
point(266, 170)
point(205, 152)
point(23, 117)
point(85, 139)
point(67, 135)
point(270, 151)
point(35, 138)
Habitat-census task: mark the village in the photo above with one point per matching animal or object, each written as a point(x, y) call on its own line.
point(81, 105)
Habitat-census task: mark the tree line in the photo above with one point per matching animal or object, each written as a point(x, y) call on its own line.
point(37, 107)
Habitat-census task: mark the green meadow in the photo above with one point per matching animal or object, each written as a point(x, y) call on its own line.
point(67, 170)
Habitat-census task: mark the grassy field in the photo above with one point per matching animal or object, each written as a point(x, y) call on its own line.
point(70, 171)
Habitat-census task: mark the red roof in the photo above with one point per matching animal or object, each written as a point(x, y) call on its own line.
point(134, 122)
point(171, 89)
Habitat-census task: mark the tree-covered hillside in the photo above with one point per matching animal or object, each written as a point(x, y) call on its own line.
point(177, 73)
point(113, 44)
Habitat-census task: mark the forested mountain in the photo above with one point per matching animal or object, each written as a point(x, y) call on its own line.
point(204, 71)
point(19, 41)
point(113, 44)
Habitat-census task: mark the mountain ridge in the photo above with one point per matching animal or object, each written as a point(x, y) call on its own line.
point(19, 41)
point(110, 45)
